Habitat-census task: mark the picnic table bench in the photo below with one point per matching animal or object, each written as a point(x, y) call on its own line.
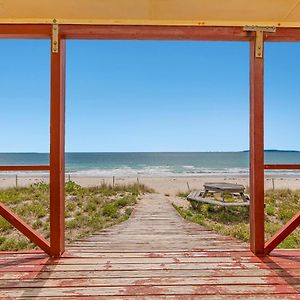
point(222, 188)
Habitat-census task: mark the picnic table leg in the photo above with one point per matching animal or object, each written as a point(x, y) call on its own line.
point(223, 197)
point(205, 193)
point(195, 204)
point(243, 197)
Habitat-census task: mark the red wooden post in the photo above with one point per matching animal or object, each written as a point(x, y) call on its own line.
point(256, 151)
point(57, 149)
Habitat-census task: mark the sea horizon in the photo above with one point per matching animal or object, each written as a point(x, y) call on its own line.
point(157, 164)
point(212, 151)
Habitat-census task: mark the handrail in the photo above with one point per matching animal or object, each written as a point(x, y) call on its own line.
point(25, 168)
point(27, 230)
point(284, 232)
point(293, 223)
point(282, 167)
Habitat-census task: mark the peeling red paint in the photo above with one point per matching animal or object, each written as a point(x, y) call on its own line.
point(108, 265)
point(155, 255)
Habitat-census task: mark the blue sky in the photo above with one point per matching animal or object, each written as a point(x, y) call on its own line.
point(148, 96)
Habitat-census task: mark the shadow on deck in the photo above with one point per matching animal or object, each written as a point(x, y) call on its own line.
point(154, 255)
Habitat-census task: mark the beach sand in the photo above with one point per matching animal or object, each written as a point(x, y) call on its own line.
point(164, 185)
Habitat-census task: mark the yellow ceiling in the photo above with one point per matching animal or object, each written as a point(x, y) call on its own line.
point(285, 13)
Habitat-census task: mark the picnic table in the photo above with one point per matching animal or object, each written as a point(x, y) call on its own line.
point(225, 188)
point(222, 188)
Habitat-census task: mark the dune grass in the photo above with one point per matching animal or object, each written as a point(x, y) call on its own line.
point(88, 209)
point(281, 206)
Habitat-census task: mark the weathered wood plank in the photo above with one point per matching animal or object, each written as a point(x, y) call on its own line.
point(181, 297)
point(152, 290)
point(134, 267)
point(149, 260)
point(146, 281)
point(165, 273)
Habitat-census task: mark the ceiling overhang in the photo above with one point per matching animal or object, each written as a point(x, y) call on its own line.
point(279, 13)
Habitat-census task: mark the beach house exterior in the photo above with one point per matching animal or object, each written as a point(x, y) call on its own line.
point(255, 22)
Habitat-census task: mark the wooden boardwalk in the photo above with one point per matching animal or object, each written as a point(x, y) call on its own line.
point(154, 255)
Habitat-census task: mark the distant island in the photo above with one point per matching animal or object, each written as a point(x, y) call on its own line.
point(275, 150)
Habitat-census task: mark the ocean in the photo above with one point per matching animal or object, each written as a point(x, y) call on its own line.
point(158, 163)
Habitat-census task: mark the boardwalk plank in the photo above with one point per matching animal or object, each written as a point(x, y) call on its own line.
point(150, 290)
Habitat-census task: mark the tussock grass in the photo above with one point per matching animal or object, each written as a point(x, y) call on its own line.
point(281, 206)
point(182, 194)
point(88, 209)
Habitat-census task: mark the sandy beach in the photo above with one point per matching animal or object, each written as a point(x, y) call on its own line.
point(163, 185)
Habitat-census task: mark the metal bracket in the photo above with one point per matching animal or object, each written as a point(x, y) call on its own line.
point(55, 37)
point(259, 42)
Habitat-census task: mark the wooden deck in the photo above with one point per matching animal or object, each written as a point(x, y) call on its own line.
point(154, 255)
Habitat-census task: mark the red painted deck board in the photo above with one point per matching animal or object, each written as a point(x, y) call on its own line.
point(154, 255)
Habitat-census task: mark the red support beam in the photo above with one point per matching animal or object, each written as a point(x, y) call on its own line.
point(57, 151)
point(173, 32)
point(256, 152)
point(155, 32)
point(284, 34)
point(282, 233)
point(25, 168)
point(144, 32)
point(25, 31)
point(282, 167)
point(30, 233)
